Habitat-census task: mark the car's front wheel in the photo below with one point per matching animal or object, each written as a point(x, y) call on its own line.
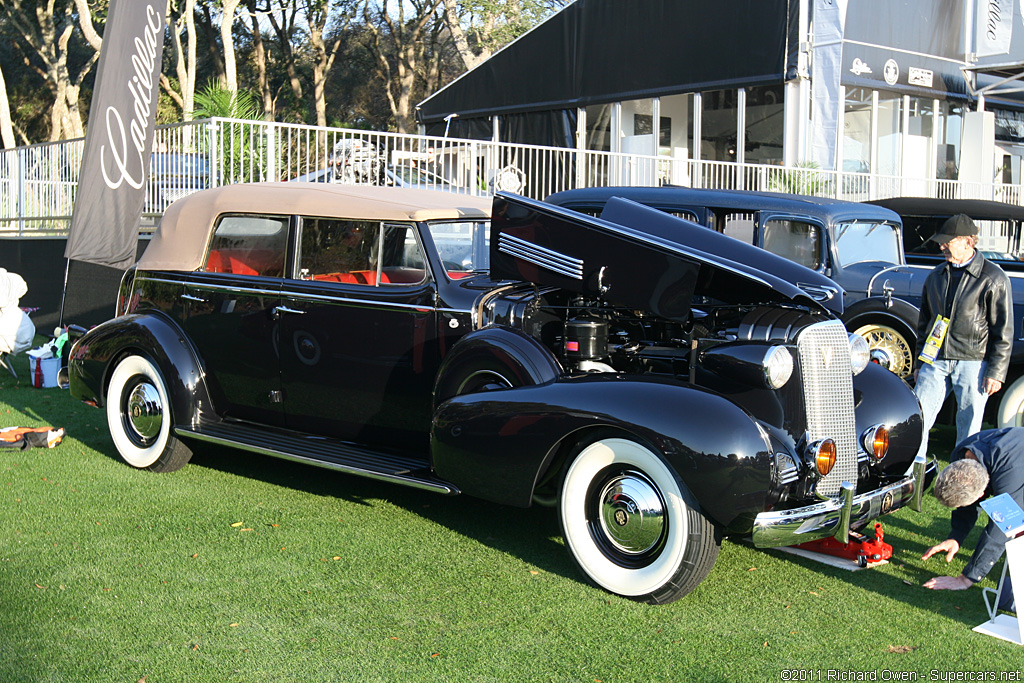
point(1011, 405)
point(139, 417)
point(889, 346)
point(631, 525)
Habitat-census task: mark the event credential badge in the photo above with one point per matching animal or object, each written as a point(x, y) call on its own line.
point(935, 339)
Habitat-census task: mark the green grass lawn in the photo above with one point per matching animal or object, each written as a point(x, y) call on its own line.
point(244, 568)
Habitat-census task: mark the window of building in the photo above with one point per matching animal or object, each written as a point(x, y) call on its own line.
point(599, 126)
point(890, 129)
point(765, 117)
point(718, 125)
point(857, 131)
point(948, 131)
point(639, 133)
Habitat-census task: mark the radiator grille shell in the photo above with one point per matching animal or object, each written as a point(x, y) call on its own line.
point(824, 351)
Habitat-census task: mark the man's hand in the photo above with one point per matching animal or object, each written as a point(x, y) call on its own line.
point(949, 546)
point(991, 386)
point(949, 583)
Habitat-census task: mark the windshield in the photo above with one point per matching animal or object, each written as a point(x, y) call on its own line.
point(462, 245)
point(862, 241)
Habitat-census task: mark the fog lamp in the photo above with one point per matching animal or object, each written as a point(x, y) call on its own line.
point(860, 353)
point(876, 441)
point(824, 454)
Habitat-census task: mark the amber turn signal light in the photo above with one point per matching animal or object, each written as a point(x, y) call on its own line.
point(876, 441)
point(824, 454)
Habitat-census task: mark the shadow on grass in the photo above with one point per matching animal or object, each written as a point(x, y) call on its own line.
point(524, 533)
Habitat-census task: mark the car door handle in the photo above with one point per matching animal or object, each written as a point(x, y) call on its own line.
point(189, 297)
point(278, 310)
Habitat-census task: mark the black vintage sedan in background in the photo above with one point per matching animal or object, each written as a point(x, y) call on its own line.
point(658, 384)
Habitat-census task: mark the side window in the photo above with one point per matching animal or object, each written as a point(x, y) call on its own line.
point(795, 240)
point(353, 252)
point(248, 245)
point(738, 225)
point(682, 213)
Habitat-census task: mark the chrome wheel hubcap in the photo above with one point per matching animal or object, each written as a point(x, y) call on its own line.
point(144, 411)
point(632, 513)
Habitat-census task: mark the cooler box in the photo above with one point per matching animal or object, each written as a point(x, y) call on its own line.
point(43, 371)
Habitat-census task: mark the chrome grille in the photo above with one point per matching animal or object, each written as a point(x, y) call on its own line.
point(824, 350)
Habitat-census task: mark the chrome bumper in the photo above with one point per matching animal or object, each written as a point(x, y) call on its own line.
point(836, 516)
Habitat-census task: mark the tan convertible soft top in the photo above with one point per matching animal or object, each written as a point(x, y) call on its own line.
point(184, 231)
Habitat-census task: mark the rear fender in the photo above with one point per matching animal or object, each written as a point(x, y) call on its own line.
point(95, 355)
point(498, 445)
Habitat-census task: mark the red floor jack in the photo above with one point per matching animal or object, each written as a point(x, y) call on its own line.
point(861, 549)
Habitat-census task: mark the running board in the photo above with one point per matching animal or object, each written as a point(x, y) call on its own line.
point(321, 452)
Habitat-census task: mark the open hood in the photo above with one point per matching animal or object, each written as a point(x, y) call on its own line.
point(642, 258)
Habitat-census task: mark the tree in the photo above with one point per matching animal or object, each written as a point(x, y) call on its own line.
point(479, 27)
point(260, 60)
point(48, 37)
point(400, 45)
point(318, 15)
point(181, 19)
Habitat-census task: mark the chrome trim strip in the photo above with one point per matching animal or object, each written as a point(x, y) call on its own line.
point(554, 261)
point(307, 296)
point(438, 487)
point(820, 520)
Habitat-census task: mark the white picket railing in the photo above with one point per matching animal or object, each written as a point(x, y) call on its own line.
point(38, 182)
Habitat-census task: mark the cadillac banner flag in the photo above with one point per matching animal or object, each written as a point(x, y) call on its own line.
point(119, 141)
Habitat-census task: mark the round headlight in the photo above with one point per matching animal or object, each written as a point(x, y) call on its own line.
point(778, 366)
point(824, 454)
point(876, 441)
point(860, 353)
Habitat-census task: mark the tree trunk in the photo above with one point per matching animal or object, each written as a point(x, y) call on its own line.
point(6, 127)
point(228, 42)
point(317, 14)
point(260, 57)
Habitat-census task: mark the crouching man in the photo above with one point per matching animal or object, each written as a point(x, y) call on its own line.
point(989, 462)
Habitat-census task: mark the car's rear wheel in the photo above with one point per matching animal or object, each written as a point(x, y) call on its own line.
point(139, 417)
point(890, 343)
point(631, 525)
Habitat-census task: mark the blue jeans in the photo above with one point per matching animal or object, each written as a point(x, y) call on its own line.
point(965, 378)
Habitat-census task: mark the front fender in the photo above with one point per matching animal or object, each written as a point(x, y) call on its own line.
point(879, 308)
point(880, 397)
point(496, 445)
point(153, 335)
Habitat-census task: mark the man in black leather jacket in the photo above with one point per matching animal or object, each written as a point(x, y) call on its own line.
point(965, 331)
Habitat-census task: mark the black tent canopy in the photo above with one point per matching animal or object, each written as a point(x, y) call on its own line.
point(600, 51)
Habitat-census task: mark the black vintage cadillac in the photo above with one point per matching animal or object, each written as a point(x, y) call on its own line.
point(658, 384)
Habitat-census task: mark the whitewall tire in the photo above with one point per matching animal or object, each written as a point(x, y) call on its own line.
point(139, 417)
point(630, 524)
point(1011, 405)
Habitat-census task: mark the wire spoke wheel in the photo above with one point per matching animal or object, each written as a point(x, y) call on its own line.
point(889, 344)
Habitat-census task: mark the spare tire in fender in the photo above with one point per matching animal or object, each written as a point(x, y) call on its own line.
point(494, 358)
